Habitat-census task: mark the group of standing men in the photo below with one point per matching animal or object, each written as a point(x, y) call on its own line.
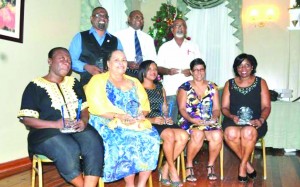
point(89, 50)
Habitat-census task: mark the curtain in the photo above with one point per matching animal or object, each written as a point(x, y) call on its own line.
point(211, 30)
point(200, 4)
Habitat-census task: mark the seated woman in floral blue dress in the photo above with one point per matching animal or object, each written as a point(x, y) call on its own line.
point(118, 106)
point(198, 102)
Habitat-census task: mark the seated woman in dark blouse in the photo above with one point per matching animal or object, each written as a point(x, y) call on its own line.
point(174, 138)
point(41, 111)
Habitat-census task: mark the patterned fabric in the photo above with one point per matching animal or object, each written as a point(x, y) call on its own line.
point(197, 107)
point(156, 101)
point(126, 151)
point(43, 100)
point(245, 90)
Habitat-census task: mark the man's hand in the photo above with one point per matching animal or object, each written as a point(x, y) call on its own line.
point(186, 72)
point(92, 69)
point(173, 71)
point(132, 65)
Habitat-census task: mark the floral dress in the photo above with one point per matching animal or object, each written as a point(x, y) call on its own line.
point(198, 107)
point(126, 151)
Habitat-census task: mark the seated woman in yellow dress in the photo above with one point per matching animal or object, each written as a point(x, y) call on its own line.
point(118, 105)
point(198, 102)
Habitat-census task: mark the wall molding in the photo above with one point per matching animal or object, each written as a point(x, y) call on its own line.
point(14, 167)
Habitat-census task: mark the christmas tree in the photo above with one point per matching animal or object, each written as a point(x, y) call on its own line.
point(163, 20)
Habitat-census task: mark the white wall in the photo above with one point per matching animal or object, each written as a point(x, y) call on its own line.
point(46, 25)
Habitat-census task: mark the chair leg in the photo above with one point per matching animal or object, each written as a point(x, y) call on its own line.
point(221, 162)
point(150, 184)
point(33, 173)
point(183, 166)
point(161, 156)
point(264, 157)
point(178, 165)
point(100, 183)
point(40, 172)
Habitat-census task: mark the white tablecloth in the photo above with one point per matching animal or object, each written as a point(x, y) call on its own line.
point(284, 125)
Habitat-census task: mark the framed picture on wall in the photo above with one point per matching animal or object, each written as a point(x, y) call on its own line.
point(12, 20)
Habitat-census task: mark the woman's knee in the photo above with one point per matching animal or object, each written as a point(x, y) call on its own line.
point(249, 133)
point(168, 135)
point(231, 134)
point(217, 136)
point(197, 136)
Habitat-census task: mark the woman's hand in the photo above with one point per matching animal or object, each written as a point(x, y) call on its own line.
point(235, 118)
point(158, 120)
point(256, 123)
point(79, 125)
point(198, 121)
point(168, 120)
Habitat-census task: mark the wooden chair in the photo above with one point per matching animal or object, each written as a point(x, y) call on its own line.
point(37, 168)
point(263, 147)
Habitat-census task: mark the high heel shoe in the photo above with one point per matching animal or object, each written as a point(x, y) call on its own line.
point(165, 182)
point(252, 175)
point(175, 183)
point(242, 179)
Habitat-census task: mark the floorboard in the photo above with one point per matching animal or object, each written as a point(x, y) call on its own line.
point(283, 170)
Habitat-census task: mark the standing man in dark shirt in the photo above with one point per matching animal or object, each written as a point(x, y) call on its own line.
point(89, 49)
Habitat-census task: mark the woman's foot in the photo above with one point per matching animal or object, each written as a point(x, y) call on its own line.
point(242, 177)
point(174, 179)
point(163, 176)
point(251, 173)
point(211, 173)
point(190, 174)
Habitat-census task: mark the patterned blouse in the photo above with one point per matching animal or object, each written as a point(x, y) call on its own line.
point(197, 107)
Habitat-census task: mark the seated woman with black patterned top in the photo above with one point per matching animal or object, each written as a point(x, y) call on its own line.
point(174, 138)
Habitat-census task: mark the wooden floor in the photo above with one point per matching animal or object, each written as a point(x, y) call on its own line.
point(282, 170)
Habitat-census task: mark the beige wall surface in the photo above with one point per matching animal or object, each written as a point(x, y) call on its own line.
point(270, 43)
point(46, 25)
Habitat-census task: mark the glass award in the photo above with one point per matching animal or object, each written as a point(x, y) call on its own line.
point(245, 115)
point(132, 108)
point(70, 114)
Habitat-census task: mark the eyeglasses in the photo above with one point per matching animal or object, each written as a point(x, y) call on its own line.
point(198, 70)
point(105, 16)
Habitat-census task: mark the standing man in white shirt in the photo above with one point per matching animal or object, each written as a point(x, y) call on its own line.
point(138, 46)
point(173, 62)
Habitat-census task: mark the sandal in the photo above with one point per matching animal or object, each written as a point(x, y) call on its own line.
point(211, 175)
point(191, 177)
point(165, 182)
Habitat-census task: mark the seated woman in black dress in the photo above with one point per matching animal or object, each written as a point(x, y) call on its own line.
point(174, 138)
point(245, 106)
point(41, 111)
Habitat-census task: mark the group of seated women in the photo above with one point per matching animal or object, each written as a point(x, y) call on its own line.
point(132, 120)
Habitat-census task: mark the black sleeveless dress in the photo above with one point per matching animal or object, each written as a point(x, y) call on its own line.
point(156, 100)
point(248, 99)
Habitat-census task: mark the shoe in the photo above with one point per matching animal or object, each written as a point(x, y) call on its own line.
point(252, 175)
point(191, 177)
point(175, 183)
point(165, 182)
point(242, 179)
point(211, 176)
